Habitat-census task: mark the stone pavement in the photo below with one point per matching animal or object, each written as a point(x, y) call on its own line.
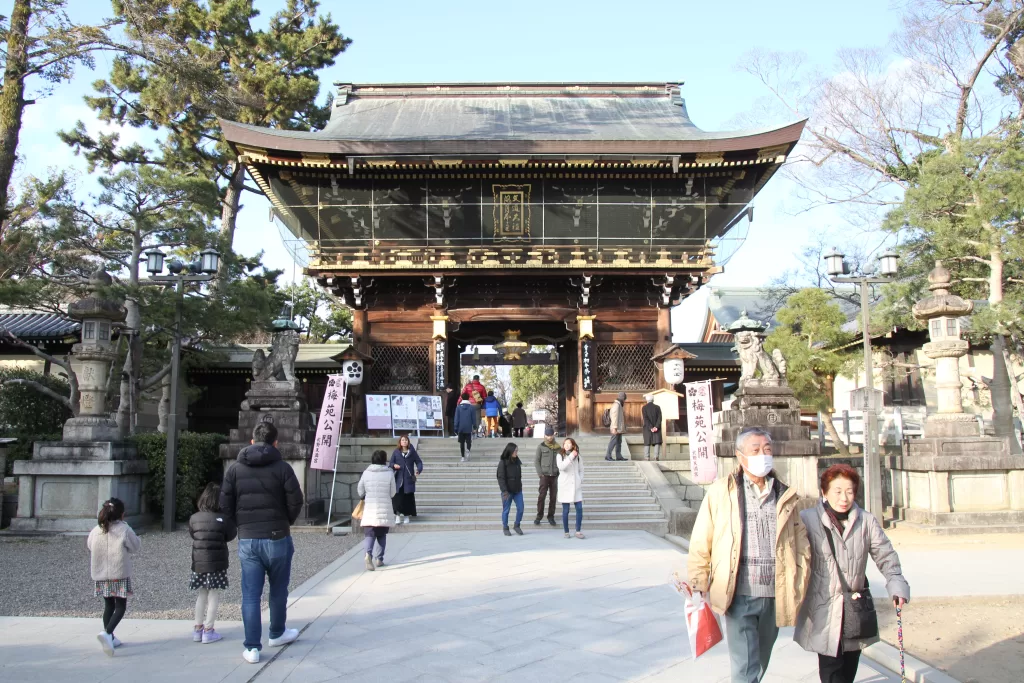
point(473, 606)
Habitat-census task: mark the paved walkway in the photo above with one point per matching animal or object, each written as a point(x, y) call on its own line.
point(473, 606)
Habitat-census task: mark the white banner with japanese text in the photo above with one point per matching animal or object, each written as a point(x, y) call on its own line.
point(703, 467)
point(325, 446)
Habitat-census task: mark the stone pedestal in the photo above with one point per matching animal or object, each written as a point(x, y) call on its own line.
point(954, 479)
point(65, 483)
point(282, 403)
point(772, 406)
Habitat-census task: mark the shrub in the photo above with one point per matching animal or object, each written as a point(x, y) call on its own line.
point(198, 464)
point(23, 410)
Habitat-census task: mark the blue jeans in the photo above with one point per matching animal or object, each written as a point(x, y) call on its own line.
point(579, 516)
point(259, 559)
point(506, 505)
point(750, 631)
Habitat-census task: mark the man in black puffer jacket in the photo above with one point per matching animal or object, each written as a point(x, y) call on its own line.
point(262, 496)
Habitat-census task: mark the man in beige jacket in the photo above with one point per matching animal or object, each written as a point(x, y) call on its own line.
point(750, 555)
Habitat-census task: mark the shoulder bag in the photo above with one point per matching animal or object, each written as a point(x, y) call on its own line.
point(859, 617)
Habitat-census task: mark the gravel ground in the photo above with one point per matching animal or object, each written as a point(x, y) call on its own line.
point(49, 576)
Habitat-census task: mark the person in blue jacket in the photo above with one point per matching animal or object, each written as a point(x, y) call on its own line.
point(492, 412)
point(465, 425)
point(406, 463)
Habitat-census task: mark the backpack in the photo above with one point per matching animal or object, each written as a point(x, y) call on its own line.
point(606, 419)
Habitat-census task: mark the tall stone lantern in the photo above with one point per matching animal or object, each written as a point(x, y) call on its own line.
point(954, 477)
point(941, 313)
point(66, 482)
point(91, 360)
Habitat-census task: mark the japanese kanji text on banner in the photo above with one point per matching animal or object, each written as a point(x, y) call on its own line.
point(703, 466)
point(325, 447)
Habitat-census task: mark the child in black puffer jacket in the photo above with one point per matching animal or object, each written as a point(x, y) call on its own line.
point(210, 532)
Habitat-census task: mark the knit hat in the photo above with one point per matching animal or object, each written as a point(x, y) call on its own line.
point(622, 396)
point(549, 430)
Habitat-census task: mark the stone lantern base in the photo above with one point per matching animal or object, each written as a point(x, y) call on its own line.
point(281, 403)
point(952, 484)
point(63, 486)
point(774, 407)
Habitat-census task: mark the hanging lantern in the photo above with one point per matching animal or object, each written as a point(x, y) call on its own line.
point(512, 347)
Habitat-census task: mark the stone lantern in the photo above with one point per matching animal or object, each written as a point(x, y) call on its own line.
point(64, 484)
point(954, 477)
point(941, 313)
point(91, 360)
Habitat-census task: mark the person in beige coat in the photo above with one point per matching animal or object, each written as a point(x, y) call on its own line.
point(749, 553)
point(855, 535)
point(617, 427)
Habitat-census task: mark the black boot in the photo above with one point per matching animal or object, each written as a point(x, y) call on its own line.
point(517, 530)
point(552, 522)
point(507, 532)
point(537, 521)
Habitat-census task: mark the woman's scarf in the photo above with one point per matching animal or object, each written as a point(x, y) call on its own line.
point(838, 518)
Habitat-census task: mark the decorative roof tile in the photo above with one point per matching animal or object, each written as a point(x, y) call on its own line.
point(39, 326)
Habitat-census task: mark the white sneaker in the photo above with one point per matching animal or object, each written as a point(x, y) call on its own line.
point(398, 519)
point(252, 656)
point(117, 643)
point(463, 459)
point(107, 643)
point(289, 636)
point(406, 519)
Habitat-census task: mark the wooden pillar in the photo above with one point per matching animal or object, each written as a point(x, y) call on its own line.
point(585, 396)
point(663, 342)
point(361, 342)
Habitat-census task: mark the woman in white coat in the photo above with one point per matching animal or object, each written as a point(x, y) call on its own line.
point(376, 487)
point(570, 484)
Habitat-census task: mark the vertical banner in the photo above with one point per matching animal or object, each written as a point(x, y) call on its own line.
point(328, 429)
point(703, 466)
point(587, 364)
point(440, 370)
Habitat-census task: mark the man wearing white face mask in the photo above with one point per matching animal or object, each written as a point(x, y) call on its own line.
point(750, 555)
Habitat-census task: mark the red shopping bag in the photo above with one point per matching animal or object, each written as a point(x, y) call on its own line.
point(701, 623)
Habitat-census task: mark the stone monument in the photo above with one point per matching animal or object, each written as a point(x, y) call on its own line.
point(64, 484)
point(275, 395)
point(954, 477)
point(765, 399)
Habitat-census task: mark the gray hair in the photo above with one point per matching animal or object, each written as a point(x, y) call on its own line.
point(751, 431)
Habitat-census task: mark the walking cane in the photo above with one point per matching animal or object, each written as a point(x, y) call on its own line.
point(899, 637)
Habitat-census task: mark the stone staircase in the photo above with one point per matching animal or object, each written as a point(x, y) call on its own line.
point(453, 496)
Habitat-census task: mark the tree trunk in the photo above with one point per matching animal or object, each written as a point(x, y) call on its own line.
point(132, 371)
point(164, 407)
point(12, 97)
point(229, 217)
point(1001, 388)
point(830, 427)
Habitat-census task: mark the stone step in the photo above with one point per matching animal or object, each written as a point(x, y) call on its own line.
point(658, 527)
point(443, 517)
point(489, 487)
point(462, 498)
point(626, 510)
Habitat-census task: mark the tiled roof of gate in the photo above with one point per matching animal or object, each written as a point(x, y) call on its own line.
point(39, 326)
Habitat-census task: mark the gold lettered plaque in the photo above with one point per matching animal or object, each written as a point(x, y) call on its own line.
point(511, 212)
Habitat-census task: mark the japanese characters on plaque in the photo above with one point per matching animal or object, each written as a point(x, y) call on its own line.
point(440, 371)
point(703, 466)
point(325, 446)
point(587, 363)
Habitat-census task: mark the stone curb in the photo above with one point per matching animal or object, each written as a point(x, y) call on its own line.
point(888, 657)
point(683, 543)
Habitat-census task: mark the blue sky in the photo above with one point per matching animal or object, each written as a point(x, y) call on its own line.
point(697, 43)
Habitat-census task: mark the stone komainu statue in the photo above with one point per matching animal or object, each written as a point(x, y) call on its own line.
point(280, 364)
point(753, 357)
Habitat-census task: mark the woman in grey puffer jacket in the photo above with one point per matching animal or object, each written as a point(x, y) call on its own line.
point(376, 487)
point(855, 535)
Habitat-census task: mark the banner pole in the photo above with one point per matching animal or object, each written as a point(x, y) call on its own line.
point(334, 475)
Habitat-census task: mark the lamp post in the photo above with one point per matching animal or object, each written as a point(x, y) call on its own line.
point(203, 270)
point(836, 267)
